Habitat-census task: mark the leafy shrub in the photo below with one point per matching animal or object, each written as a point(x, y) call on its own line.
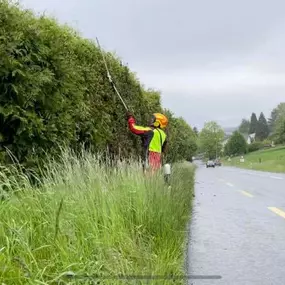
point(255, 146)
point(54, 92)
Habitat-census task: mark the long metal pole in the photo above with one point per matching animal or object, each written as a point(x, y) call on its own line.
point(110, 78)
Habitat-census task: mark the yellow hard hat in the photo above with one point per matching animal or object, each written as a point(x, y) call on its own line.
point(160, 120)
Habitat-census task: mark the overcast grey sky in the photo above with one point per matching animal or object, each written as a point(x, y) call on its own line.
point(211, 59)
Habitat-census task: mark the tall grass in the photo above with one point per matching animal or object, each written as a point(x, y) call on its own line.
point(89, 218)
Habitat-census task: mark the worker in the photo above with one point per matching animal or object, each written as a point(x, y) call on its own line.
point(154, 138)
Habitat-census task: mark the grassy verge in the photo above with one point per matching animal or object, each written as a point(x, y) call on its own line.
point(90, 219)
point(272, 160)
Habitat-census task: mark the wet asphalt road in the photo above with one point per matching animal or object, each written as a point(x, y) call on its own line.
point(238, 227)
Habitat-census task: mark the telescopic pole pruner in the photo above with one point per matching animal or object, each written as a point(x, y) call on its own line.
point(110, 78)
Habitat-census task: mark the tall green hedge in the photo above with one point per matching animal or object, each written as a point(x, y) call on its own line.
point(54, 92)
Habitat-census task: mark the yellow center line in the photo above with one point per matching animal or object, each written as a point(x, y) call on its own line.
point(246, 193)
point(277, 211)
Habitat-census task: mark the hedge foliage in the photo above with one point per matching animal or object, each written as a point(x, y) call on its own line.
point(54, 92)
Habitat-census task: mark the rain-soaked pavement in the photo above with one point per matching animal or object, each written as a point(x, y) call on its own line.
point(238, 227)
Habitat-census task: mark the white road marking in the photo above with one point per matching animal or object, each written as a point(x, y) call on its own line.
point(260, 175)
point(276, 177)
point(253, 173)
point(230, 184)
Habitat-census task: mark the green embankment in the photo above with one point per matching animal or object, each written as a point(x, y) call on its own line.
point(92, 219)
point(272, 160)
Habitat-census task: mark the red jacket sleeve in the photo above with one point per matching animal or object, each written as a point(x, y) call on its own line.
point(138, 130)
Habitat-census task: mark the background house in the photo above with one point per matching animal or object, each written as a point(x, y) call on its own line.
point(251, 138)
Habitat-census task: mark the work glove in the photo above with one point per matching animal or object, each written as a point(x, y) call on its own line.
point(128, 114)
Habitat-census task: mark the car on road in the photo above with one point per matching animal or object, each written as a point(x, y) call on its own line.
point(210, 163)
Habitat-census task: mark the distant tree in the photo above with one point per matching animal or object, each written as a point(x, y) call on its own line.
point(182, 142)
point(226, 150)
point(236, 145)
point(280, 130)
point(210, 139)
point(262, 129)
point(244, 126)
point(195, 130)
point(272, 120)
point(253, 123)
point(277, 114)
